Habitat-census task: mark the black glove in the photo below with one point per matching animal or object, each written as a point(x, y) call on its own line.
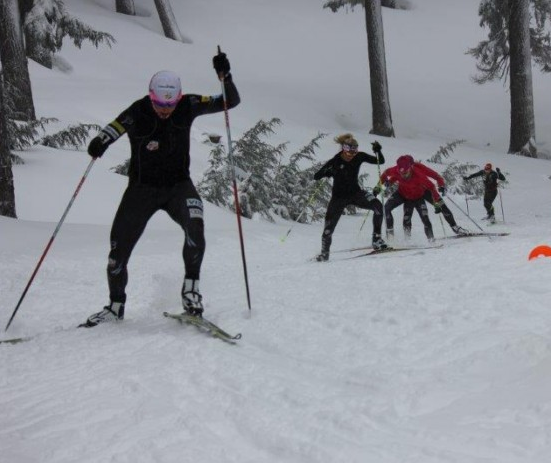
point(442, 190)
point(221, 64)
point(438, 207)
point(376, 190)
point(376, 146)
point(465, 178)
point(498, 169)
point(97, 147)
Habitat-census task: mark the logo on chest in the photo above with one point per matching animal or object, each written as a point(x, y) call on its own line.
point(153, 145)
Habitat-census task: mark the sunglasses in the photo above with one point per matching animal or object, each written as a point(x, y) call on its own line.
point(350, 147)
point(164, 104)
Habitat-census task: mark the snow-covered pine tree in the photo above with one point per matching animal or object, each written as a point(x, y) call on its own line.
point(517, 35)
point(267, 186)
point(73, 137)
point(294, 188)
point(445, 151)
point(216, 185)
point(453, 174)
point(259, 159)
point(23, 135)
point(46, 23)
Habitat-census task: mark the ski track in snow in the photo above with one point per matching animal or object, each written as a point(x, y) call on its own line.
point(340, 354)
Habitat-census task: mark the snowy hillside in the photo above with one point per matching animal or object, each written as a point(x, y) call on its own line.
point(426, 356)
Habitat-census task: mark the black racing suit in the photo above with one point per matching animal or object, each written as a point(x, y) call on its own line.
point(159, 179)
point(490, 188)
point(346, 191)
point(409, 204)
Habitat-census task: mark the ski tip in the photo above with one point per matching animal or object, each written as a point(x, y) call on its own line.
point(14, 340)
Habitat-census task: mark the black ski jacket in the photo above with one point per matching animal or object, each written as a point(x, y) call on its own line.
point(490, 179)
point(345, 174)
point(160, 147)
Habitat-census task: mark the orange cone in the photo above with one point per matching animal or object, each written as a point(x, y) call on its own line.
point(540, 251)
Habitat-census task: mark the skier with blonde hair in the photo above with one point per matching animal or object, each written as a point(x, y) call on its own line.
point(344, 168)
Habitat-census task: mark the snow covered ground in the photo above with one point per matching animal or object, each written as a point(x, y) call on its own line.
point(425, 356)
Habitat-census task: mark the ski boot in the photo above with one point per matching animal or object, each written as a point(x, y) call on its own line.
point(112, 312)
point(323, 256)
point(378, 243)
point(459, 230)
point(191, 298)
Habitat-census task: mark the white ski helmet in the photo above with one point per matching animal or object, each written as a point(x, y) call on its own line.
point(165, 89)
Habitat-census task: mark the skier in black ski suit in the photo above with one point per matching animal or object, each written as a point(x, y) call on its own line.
point(490, 188)
point(344, 167)
point(158, 128)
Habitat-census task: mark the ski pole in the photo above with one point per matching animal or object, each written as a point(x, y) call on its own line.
point(308, 202)
point(363, 222)
point(464, 213)
point(366, 216)
point(467, 203)
point(234, 181)
point(501, 203)
point(50, 242)
point(442, 223)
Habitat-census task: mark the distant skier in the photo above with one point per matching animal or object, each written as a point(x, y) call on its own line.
point(490, 188)
point(412, 187)
point(158, 127)
point(344, 167)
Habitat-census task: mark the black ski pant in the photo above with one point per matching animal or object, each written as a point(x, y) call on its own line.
point(419, 204)
point(361, 199)
point(489, 197)
point(138, 204)
point(448, 216)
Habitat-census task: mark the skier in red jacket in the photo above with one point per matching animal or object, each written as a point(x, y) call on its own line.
point(444, 209)
point(412, 184)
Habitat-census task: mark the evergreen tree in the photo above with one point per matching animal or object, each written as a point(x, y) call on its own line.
point(267, 185)
point(215, 187)
point(47, 23)
point(259, 159)
point(517, 34)
point(293, 186)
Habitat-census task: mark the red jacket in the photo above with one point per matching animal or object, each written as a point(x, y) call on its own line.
point(413, 187)
point(429, 173)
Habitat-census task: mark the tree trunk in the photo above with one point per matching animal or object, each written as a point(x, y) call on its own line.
point(523, 132)
point(380, 101)
point(14, 62)
point(168, 21)
point(126, 7)
point(7, 194)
